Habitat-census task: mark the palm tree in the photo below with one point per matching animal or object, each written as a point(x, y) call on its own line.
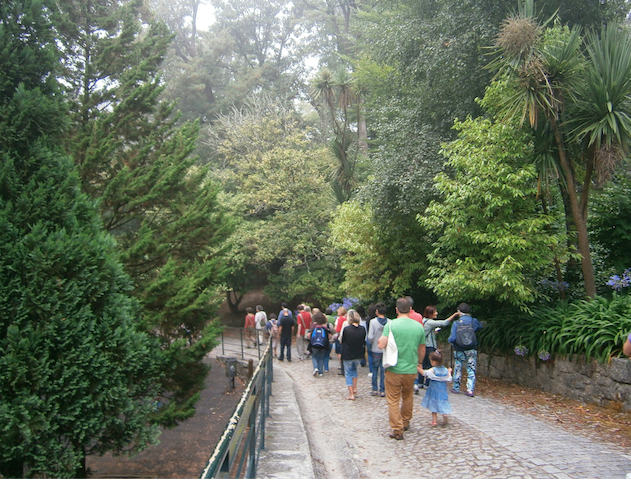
point(600, 112)
point(338, 92)
point(589, 96)
point(555, 83)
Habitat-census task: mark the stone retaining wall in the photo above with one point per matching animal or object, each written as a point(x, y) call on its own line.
point(589, 382)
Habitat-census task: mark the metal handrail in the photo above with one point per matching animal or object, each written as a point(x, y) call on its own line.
point(234, 340)
point(244, 437)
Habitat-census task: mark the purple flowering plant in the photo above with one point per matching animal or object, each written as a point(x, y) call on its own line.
point(347, 303)
point(521, 350)
point(560, 286)
point(544, 355)
point(618, 283)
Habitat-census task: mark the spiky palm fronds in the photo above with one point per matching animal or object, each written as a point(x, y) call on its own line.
point(601, 113)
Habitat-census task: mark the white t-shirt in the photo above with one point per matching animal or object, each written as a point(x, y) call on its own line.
point(260, 320)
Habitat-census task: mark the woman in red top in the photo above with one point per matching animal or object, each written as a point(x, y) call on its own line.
point(249, 327)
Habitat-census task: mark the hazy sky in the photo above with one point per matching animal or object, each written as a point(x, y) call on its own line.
point(204, 16)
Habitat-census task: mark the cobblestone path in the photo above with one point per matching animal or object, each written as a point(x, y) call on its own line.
point(484, 439)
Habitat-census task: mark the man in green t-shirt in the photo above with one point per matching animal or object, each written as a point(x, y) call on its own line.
point(409, 336)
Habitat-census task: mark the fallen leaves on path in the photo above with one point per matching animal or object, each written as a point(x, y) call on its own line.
point(610, 424)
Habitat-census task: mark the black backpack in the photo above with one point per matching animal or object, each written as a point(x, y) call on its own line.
point(465, 335)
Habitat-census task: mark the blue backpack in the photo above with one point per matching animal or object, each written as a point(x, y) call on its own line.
point(319, 337)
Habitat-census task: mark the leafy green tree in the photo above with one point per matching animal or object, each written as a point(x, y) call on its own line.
point(276, 177)
point(196, 67)
point(610, 221)
point(331, 31)
point(419, 67)
point(134, 158)
point(493, 242)
point(587, 14)
point(249, 47)
point(354, 232)
point(77, 376)
point(379, 261)
point(422, 66)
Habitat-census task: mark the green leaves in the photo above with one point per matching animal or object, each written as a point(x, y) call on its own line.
point(489, 231)
point(276, 176)
point(137, 160)
point(595, 328)
point(77, 376)
point(601, 111)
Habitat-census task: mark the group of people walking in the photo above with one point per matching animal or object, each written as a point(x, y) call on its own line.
point(359, 339)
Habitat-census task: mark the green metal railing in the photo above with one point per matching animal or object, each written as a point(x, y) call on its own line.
point(237, 453)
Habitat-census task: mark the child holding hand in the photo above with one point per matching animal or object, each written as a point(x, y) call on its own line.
point(436, 398)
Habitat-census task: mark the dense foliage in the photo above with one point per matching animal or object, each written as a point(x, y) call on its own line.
point(346, 183)
point(276, 177)
point(596, 329)
point(138, 162)
point(77, 375)
point(492, 242)
point(611, 221)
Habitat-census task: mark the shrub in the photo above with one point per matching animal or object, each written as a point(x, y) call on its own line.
point(595, 328)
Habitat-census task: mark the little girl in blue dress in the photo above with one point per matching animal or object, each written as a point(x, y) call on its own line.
point(436, 398)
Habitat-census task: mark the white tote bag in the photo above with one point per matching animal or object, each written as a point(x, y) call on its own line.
point(391, 352)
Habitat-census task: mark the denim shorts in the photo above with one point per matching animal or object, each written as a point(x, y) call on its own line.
point(350, 370)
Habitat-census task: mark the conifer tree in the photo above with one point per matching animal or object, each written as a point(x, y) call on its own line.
point(138, 162)
point(77, 377)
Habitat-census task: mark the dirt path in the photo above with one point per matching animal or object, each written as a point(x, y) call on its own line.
point(184, 450)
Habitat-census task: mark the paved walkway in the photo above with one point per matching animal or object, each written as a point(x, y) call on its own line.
point(314, 432)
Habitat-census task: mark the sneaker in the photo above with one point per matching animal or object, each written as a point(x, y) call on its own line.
point(315, 372)
point(396, 436)
point(370, 375)
point(453, 390)
point(470, 394)
point(416, 389)
point(383, 394)
point(326, 371)
point(320, 375)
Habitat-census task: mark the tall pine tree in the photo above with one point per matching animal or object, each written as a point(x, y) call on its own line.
point(76, 375)
point(138, 162)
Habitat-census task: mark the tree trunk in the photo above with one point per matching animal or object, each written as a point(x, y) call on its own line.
point(82, 471)
point(572, 269)
point(233, 304)
point(557, 263)
point(589, 172)
point(12, 468)
point(362, 130)
point(579, 220)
